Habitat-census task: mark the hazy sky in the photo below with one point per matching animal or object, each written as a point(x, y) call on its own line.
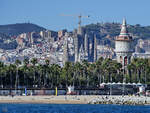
point(47, 12)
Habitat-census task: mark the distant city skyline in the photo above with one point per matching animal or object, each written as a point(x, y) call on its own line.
point(47, 13)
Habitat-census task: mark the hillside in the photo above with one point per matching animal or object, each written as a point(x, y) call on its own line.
point(6, 31)
point(6, 42)
point(106, 32)
point(16, 29)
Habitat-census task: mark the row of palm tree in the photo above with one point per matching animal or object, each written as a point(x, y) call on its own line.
point(139, 71)
point(32, 74)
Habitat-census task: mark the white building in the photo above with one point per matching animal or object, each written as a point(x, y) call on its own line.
point(123, 46)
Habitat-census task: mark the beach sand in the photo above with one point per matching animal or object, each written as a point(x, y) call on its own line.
point(46, 99)
point(67, 99)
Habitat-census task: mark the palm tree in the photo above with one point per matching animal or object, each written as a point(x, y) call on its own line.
point(92, 75)
point(77, 69)
point(2, 71)
point(67, 73)
point(11, 70)
point(99, 69)
point(139, 67)
point(17, 63)
point(117, 71)
point(55, 71)
point(47, 62)
point(146, 70)
point(85, 65)
point(25, 69)
point(107, 67)
point(40, 72)
point(34, 61)
point(132, 72)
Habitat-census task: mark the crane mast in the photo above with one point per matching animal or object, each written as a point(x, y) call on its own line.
point(79, 17)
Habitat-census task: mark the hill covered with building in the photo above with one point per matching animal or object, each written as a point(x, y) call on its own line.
point(106, 32)
point(18, 41)
point(6, 42)
point(18, 28)
point(10, 32)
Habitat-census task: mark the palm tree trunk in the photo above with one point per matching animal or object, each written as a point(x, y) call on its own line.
point(16, 81)
point(34, 78)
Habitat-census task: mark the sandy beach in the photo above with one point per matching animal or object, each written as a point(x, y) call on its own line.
point(79, 99)
point(47, 99)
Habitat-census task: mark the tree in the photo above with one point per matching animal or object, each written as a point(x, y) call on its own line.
point(34, 62)
point(17, 63)
point(99, 69)
point(12, 70)
point(86, 72)
point(55, 71)
point(67, 73)
point(25, 71)
point(46, 68)
point(2, 72)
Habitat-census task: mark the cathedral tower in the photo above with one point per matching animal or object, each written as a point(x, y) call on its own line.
point(95, 48)
point(66, 49)
point(86, 44)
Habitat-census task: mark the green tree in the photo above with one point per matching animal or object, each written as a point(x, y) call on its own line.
point(34, 61)
point(17, 63)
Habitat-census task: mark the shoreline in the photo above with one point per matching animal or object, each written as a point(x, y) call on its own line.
point(44, 99)
point(77, 99)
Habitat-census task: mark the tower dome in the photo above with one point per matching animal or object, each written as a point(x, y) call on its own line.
point(124, 36)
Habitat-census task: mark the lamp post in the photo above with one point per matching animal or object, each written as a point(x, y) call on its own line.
point(124, 80)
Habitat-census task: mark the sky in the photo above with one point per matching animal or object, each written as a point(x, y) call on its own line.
point(47, 13)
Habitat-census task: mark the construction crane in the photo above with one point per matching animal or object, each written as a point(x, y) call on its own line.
point(79, 17)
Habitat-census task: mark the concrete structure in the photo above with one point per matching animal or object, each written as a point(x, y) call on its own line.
point(66, 50)
point(123, 46)
point(95, 48)
point(86, 44)
point(78, 43)
point(61, 33)
point(76, 47)
point(141, 55)
point(105, 52)
point(45, 34)
point(143, 45)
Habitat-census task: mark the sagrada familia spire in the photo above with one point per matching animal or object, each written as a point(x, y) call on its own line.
point(82, 42)
point(66, 50)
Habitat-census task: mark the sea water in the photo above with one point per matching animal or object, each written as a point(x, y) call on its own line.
point(71, 108)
